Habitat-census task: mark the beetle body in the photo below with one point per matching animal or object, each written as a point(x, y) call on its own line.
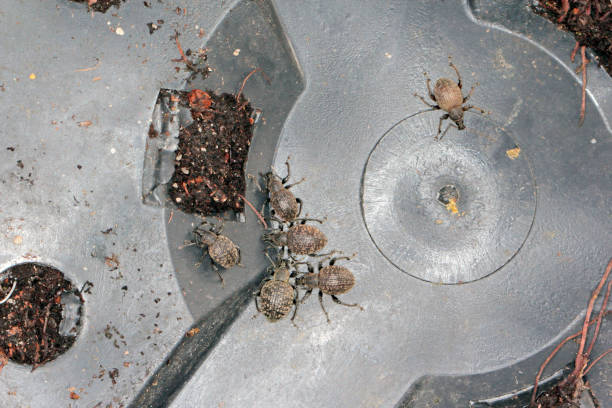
point(276, 299)
point(221, 249)
point(224, 252)
point(301, 239)
point(331, 280)
point(305, 239)
point(284, 204)
point(448, 97)
point(277, 296)
point(335, 280)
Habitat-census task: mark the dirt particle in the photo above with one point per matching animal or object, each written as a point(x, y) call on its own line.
point(113, 374)
point(112, 262)
point(513, 153)
point(192, 332)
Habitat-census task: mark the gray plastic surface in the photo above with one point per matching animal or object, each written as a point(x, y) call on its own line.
point(342, 75)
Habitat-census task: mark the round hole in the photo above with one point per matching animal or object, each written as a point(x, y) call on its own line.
point(41, 318)
point(447, 194)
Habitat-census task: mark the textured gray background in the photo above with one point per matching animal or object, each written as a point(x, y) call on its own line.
point(361, 62)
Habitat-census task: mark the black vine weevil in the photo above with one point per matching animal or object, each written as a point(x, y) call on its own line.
point(221, 249)
point(277, 296)
point(448, 97)
point(283, 204)
point(330, 280)
point(300, 239)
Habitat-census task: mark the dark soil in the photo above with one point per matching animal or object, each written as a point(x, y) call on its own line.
point(101, 5)
point(30, 319)
point(561, 396)
point(212, 153)
point(590, 21)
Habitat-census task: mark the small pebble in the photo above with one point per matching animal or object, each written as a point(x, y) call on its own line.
point(119, 31)
point(236, 52)
point(593, 141)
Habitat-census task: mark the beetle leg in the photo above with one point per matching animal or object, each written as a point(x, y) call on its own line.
point(269, 258)
point(338, 301)
point(446, 130)
point(263, 206)
point(296, 295)
point(469, 95)
point(327, 254)
point(239, 263)
point(323, 307)
point(428, 83)
point(303, 220)
point(212, 263)
point(468, 107)
point(288, 186)
point(442, 119)
point(306, 295)
point(337, 258)
point(450, 63)
point(435, 107)
point(286, 178)
point(218, 227)
point(299, 201)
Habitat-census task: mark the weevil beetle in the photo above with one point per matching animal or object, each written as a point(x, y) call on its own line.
point(300, 239)
point(448, 97)
point(331, 280)
point(283, 204)
point(277, 296)
point(221, 249)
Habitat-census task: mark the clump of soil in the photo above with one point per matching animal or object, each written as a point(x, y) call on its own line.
point(590, 22)
point(100, 5)
point(561, 396)
point(212, 153)
point(30, 319)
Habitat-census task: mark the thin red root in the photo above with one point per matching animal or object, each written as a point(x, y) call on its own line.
point(180, 49)
point(582, 358)
point(574, 51)
point(608, 351)
point(550, 357)
point(259, 216)
point(244, 82)
point(564, 10)
point(584, 81)
point(185, 188)
point(599, 318)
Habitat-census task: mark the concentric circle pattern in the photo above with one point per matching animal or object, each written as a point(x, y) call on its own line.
point(468, 238)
